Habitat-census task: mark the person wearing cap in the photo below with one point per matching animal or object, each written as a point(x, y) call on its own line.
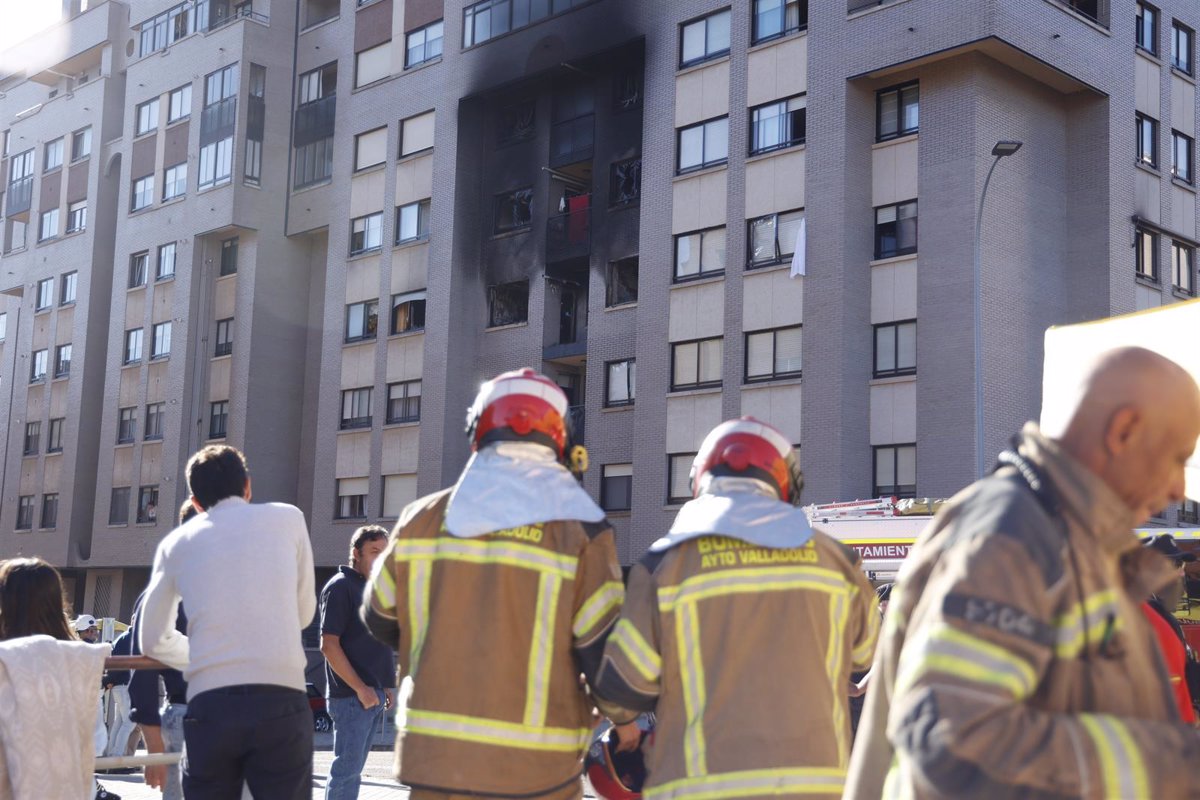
point(740, 630)
point(498, 593)
point(1175, 650)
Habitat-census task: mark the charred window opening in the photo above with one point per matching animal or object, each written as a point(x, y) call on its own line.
point(514, 210)
point(622, 282)
point(516, 122)
point(508, 304)
point(626, 182)
point(627, 92)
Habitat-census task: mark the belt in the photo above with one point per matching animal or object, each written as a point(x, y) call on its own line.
point(254, 688)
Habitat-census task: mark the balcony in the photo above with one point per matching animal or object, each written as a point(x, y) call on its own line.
point(565, 332)
point(20, 196)
point(314, 121)
point(569, 235)
point(218, 120)
point(575, 419)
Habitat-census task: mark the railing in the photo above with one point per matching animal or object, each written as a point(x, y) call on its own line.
point(571, 141)
point(218, 120)
point(20, 196)
point(575, 419)
point(314, 121)
point(569, 235)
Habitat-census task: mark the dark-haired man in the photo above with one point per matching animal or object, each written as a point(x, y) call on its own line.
point(245, 573)
point(359, 672)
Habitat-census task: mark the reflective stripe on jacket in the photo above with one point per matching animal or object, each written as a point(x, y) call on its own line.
point(745, 654)
point(1014, 660)
point(494, 631)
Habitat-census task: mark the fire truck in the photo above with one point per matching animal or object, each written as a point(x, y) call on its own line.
point(881, 530)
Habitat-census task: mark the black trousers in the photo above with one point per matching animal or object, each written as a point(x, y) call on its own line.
point(258, 733)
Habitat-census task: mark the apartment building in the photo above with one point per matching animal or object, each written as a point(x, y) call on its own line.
point(328, 223)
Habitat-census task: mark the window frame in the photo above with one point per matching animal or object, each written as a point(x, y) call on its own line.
point(784, 30)
point(347, 510)
point(126, 425)
point(62, 367)
point(39, 365)
point(1188, 174)
point(185, 104)
point(144, 514)
point(1140, 156)
point(512, 196)
point(424, 208)
point(708, 55)
point(1139, 270)
point(139, 261)
point(1181, 31)
point(228, 246)
point(25, 512)
point(57, 148)
point(630, 383)
point(368, 333)
point(1139, 27)
point(899, 251)
point(143, 193)
point(1178, 247)
point(132, 334)
point(400, 299)
point(493, 292)
point(775, 374)
point(215, 431)
point(897, 370)
point(779, 257)
point(81, 140)
point(152, 429)
point(409, 154)
point(354, 398)
point(605, 492)
point(147, 122)
point(32, 440)
point(783, 144)
point(51, 506)
point(54, 435)
point(702, 273)
point(44, 298)
point(160, 334)
point(875, 485)
point(426, 56)
point(704, 163)
point(674, 500)
point(118, 500)
point(223, 346)
point(610, 281)
point(405, 403)
point(68, 288)
point(365, 233)
point(48, 222)
point(77, 216)
point(901, 104)
point(358, 141)
point(166, 252)
point(699, 384)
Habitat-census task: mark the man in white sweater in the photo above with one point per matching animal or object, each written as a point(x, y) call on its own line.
point(245, 574)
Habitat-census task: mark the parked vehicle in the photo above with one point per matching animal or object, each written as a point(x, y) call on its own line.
point(322, 722)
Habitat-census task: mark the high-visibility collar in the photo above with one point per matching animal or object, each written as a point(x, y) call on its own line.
point(740, 513)
point(511, 484)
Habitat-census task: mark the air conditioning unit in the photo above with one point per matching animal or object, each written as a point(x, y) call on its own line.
point(53, 93)
point(82, 79)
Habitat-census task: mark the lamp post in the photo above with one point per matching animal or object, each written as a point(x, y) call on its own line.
point(1003, 148)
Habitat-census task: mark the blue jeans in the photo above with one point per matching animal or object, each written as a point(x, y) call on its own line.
point(172, 732)
point(353, 732)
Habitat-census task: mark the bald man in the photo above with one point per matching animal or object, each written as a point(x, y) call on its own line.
point(1014, 661)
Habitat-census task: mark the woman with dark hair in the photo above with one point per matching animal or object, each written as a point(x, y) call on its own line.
point(32, 601)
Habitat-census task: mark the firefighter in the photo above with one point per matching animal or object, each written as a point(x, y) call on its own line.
point(497, 594)
point(740, 630)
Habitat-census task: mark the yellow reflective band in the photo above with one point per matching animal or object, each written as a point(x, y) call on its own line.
point(1095, 612)
point(487, 551)
point(961, 655)
point(385, 588)
point(691, 668)
point(861, 655)
point(496, 732)
point(594, 609)
point(833, 667)
point(1120, 760)
point(418, 611)
point(752, 783)
point(738, 581)
point(537, 686)
point(641, 655)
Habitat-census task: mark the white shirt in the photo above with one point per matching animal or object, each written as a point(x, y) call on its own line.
point(244, 573)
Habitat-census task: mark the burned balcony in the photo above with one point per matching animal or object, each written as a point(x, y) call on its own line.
point(569, 235)
point(565, 331)
point(575, 419)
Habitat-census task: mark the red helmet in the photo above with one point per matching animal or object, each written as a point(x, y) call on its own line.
point(519, 406)
point(613, 775)
point(747, 448)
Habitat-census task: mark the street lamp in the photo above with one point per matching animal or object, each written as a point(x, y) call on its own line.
point(1003, 148)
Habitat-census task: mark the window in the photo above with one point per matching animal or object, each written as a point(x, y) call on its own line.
point(218, 419)
point(1182, 261)
point(166, 262)
point(412, 222)
point(33, 438)
point(621, 282)
point(372, 65)
point(370, 149)
point(155, 412)
point(175, 181)
point(38, 365)
point(1147, 254)
point(314, 162)
point(220, 85)
point(216, 163)
point(81, 144)
point(508, 304)
point(318, 83)
point(1189, 513)
point(62, 360)
point(492, 18)
point(895, 471)
point(896, 112)
point(896, 230)
point(1147, 140)
point(1181, 47)
point(416, 134)
point(118, 506)
point(126, 425)
point(229, 256)
point(45, 294)
point(3, 326)
point(137, 269)
point(351, 498)
point(49, 511)
point(696, 365)
point(257, 86)
point(514, 210)
point(54, 155)
point(362, 320)
point(253, 172)
point(773, 238)
point(1147, 28)
point(54, 441)
point(147, 507)
point(423, 44)
point(616, 487)
point(774, 354)
point(515, 122)
point(679, 480)
point(699, 254)
point(404, 402)
point(620, 383)
point(180, 104)
point(133, 346)
point(625, 182)
point(77, 216)
point(398, 492)
point(628, 90)
point(159, 32)
point(895, 349)
point(49, 225)
point(356, 408)
point(777, 125)
point(705, 38)
point(25, 512)
point(161, 340)
point(778, 18)
point(408, 312)
point(703, 145)
point(224, 337)
point(366, 233)
point(1181, 156)
point(147, 116)
point(143, 193)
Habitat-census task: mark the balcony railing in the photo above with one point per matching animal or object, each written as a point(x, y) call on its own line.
point(569, 235)
point(314, 121)
point(20, 196)
point(575, 418)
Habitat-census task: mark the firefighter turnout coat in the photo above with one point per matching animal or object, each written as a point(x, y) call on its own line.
point(1014, 660)
point(495, 631)
point(745, 653)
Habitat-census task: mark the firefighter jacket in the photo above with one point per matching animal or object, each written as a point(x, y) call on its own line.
point(1014, 659)
point(495, 631)
point(744, 653)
